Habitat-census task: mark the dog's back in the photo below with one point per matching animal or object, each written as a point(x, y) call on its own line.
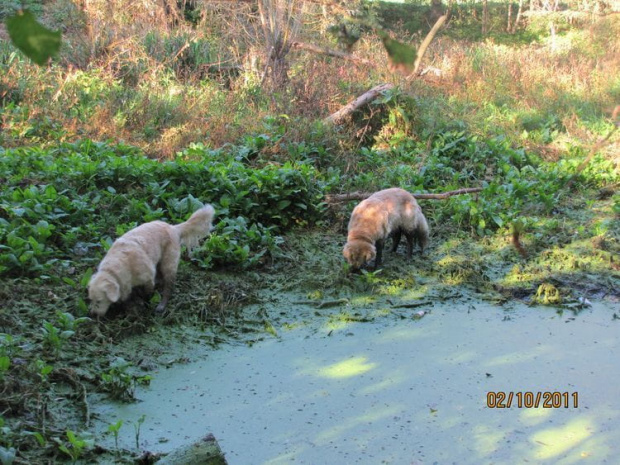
point(384, 212)
point(150, 239)
point(405, 214)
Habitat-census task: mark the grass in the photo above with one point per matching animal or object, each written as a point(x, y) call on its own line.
point(120, 132)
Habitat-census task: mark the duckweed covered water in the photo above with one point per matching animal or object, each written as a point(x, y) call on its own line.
point(397, 390)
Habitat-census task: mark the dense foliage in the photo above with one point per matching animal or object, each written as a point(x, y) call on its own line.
point(62, 207)
point(66, 204)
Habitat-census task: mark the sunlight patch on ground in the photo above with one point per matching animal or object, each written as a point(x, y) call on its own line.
point(285, 459)
point(337, 325)
point(406, 333)
point(553, 442)
point(363, 300)
point(487, 439)
point(345, 425)
point(519, 356)
point(463, 357)
point(387, 383)
point(347, 368)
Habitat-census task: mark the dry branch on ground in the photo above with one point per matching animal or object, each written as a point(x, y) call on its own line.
point(360, 101)
point(335, 198)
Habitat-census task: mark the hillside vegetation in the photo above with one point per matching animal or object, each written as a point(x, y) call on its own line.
point(143, 116)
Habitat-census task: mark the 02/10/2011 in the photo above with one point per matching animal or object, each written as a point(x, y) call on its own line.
point(530, 399)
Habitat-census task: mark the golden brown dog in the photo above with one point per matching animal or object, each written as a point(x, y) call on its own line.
point(135, 258)
point(390, 212)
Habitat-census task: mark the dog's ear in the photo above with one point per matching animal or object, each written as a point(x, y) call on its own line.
point(112, 291)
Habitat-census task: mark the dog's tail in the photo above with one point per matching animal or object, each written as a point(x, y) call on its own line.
point(197, 227)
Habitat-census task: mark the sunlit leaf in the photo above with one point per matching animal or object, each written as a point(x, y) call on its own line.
point(36, 41)
point(401, 56)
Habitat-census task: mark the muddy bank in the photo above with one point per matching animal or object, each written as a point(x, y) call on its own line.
point(395, 389)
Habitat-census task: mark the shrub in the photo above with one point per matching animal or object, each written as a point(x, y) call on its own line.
point(57, 200)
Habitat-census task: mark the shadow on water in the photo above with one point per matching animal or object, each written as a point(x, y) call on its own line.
point(395, 389)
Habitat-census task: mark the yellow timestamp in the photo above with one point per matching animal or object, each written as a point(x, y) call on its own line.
point(531, 399)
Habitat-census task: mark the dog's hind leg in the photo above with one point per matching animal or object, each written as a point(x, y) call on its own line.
point(168, 269)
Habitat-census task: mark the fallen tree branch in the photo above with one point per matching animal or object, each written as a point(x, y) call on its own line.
point(333, 53)
point(334, 198)
point(322, 304)
point(412, 304)
point(367, 97)
point(425, 43)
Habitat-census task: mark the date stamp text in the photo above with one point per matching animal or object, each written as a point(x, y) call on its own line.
point(530, 399)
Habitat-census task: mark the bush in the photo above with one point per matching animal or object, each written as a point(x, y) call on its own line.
point(517, 185)
point(57, 200)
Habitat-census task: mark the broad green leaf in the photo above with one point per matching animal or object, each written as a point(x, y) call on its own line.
point(282, 204)
point(36, 41)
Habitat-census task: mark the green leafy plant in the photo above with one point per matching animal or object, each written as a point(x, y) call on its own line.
point(120, 384)
point(77, 444)
point(137, 427)
point(114, 428)
point(41, 441)
point(103, 191)
point(43, 369)
point(9, 345)
point(67, 322)
point(234, 242)
point(54, 338)
point(5, 364)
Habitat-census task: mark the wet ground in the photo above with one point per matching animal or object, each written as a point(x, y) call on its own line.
point(397, 390)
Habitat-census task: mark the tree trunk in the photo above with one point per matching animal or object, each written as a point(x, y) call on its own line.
point(518, 18)
point(424, 45)
point(509, 22)
point(280, 24)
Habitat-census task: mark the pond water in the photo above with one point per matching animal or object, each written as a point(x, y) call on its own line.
point(398, 391)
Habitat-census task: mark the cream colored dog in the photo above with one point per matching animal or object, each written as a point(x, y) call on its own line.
point(390, 212)
point(135, 258)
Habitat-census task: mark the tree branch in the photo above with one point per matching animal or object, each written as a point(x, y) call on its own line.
point(424, 45)
point(335, 198)
point(367, 97)
point(333, 53)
